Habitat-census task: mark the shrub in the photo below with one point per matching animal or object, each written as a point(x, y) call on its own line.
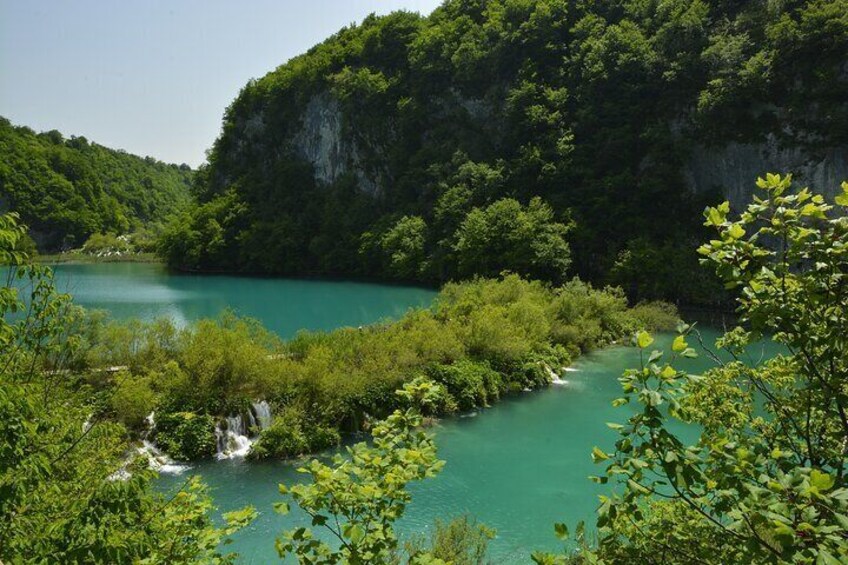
point(132, 400)
point(480, 339)
point(186, 435)
point(291, 434)
point(462, 541)
point(106, 244)
point(655, 316)
point(320, 437)
point(469, 383)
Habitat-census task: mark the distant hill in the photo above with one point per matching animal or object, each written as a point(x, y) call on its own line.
point(413, 147)
point(68, 189)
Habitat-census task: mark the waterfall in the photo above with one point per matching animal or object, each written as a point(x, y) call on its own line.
point(158, 461)
point(263, 414)
point(232, 439)
point(233, 436)
point(556, 379)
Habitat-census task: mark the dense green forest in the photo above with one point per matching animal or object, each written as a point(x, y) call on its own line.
point(65, 190)
point(544, 137)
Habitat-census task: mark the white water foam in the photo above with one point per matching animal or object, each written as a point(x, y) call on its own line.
point(234, 437)
point(160, 462)
point(556, 379)
point(263, 414)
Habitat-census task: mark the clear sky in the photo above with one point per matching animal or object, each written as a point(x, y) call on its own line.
point(153, 76)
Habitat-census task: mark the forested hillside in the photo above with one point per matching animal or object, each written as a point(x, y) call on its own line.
point(548, 137)
point(69, 189)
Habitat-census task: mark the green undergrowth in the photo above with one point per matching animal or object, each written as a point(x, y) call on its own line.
point(481, 339)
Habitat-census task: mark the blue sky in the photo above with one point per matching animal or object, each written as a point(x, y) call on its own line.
point(153, 77)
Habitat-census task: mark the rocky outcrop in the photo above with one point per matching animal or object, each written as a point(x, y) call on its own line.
point(733, 168)
point(322, 142)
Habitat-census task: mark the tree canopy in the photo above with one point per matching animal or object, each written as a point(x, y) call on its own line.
point(65, 190)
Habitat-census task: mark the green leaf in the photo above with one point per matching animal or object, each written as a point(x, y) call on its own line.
point(714, 217)
point(561, 531)
point(319, 520)
point(637, 487)
point(644, 339)
point(736, 231)
point(842, 199)
point(668, 372)
point(654, 398)
point(356, 533)
point(822, 481)
point(598, 455)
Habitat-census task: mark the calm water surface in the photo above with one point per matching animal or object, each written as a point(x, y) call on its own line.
point(284, 306)
point(518, 467)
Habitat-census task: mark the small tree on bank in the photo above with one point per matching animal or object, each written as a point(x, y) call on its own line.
point(766, 481)
point(68, 493)
point(358, 499)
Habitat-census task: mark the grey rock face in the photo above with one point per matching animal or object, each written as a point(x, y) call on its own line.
point(734, 168)
point(731, 169)
point(321, 142)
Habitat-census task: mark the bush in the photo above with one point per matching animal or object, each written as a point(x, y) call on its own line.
point(291, 434)
point(132, 400)
point(462, 541)
point(102, 244)
point(469, 383)
point(655, 316)
point(480, 339)
point(186, 435)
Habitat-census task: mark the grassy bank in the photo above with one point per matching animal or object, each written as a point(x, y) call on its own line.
point(481, 339)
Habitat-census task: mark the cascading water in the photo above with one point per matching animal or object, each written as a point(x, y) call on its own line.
point(234, 437)
point(156, 460)
point(263, 414)
point(556, 379)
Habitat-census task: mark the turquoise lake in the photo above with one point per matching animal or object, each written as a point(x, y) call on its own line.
point(518, 467)
point(147, 291)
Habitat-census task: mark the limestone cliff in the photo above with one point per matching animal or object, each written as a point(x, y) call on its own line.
point(731, 168)
point(322, 141)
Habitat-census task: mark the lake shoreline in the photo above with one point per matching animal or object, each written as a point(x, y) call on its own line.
point(83, 259)
point(699, 312)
